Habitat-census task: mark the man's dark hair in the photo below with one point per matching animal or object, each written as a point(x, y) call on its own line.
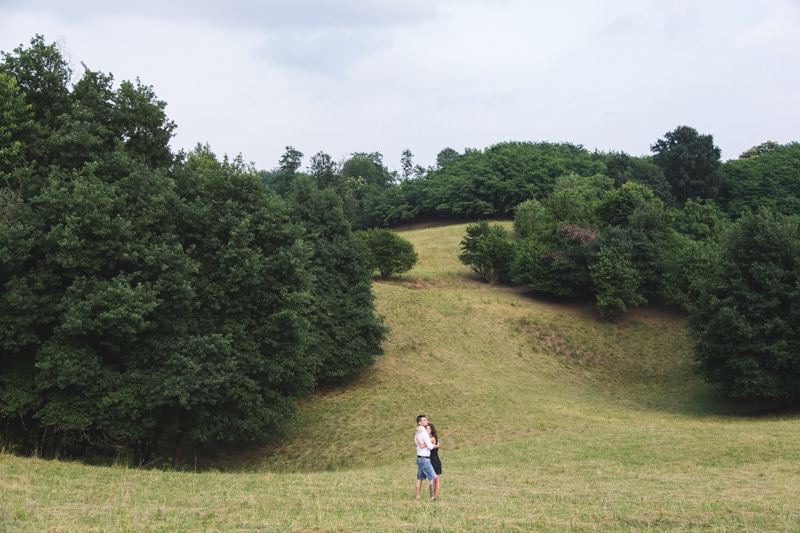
point(420, 417)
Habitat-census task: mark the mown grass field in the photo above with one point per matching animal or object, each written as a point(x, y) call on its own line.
point(550, 420)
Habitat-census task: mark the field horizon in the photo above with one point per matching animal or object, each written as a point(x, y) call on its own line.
point(550, 419)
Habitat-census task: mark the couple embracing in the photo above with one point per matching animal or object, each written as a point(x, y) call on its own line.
point(428, 464)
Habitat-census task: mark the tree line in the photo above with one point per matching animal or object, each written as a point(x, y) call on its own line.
point(149, 296)
point(720, 240)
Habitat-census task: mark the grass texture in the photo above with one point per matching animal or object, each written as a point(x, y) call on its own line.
point(550, 419)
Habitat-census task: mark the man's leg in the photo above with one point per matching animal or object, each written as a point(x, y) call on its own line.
point(427, 471)
point(419, 487)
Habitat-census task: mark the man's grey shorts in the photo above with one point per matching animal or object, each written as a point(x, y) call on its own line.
point(425, 469)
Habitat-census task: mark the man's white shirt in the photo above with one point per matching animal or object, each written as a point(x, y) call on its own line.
point(423, 442)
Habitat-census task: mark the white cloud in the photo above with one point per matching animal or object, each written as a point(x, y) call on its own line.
point(780, 33)
point(359, 75)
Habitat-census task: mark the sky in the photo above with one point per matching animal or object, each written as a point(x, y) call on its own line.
point(250, 78)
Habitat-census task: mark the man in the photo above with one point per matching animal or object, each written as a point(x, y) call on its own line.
point(424, 447)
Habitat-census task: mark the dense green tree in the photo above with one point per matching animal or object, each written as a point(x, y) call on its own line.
point(768, 178)
point(446, 157)
point(43, 76)
point(686, 264)
point(367, 168)
point(492, 182)
point(148, 297)
point(325, 172)
point(700, 220)
point(74, 126)
point(291, 160)
point(691, 249)
point(615, 282)
point(622, 168)
point(346, 332)
point(89, 289)
point(690, 162)
point(16, 122)
point(745, 322)
point(141, 123)
point(489, 251)
point(634, 219)
point(560, 251)
point(589, 188)
point(388, 252)
point(617, 206)
point(557, 264)
point(407, 164)
point(761, 149)
point(280, 179)
point(363, 180)
point(529, 217)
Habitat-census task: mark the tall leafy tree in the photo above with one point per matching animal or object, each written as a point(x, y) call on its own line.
point(325, 172)
point(615, 282)
point(146, 297)
point(252, 293)
point(365, 181)
point(280, 179)
point(17, 122)
point(557, 263)
point(140, 121)
point(346, 332)
point(492, 182)
point(691, 250)
point(745, 322)
point(635, 220)
point(43, 76)
point(291, 160)
point(690, 162)
point(622, 168)
point(367, 168)
point(767, 177)
point(489, 251)
point(761, 149)
point(407, 164)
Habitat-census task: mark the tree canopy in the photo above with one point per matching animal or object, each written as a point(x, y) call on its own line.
point(745, 322)
point(150, 296)
point(690, 162)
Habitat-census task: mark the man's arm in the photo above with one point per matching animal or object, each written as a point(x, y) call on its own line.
point(427, 440)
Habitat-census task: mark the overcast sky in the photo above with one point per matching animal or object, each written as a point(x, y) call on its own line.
point(343, 76)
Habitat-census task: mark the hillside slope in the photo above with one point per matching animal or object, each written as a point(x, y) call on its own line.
point(550, 420)
point(489, 364)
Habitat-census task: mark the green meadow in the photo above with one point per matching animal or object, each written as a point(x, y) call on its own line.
point(550, 419)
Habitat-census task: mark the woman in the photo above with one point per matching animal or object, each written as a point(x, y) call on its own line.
point(436, 463)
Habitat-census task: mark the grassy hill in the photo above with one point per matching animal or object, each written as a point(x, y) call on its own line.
point(550, 420)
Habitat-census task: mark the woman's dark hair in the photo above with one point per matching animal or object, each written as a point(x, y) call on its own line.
point(433, 432)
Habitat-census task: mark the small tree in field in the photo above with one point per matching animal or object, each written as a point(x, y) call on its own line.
point(388, 252)
point(745, 321)
point(616, 282)
point(489, 251)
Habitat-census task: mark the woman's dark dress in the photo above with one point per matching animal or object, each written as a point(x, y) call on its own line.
point(435, 462)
